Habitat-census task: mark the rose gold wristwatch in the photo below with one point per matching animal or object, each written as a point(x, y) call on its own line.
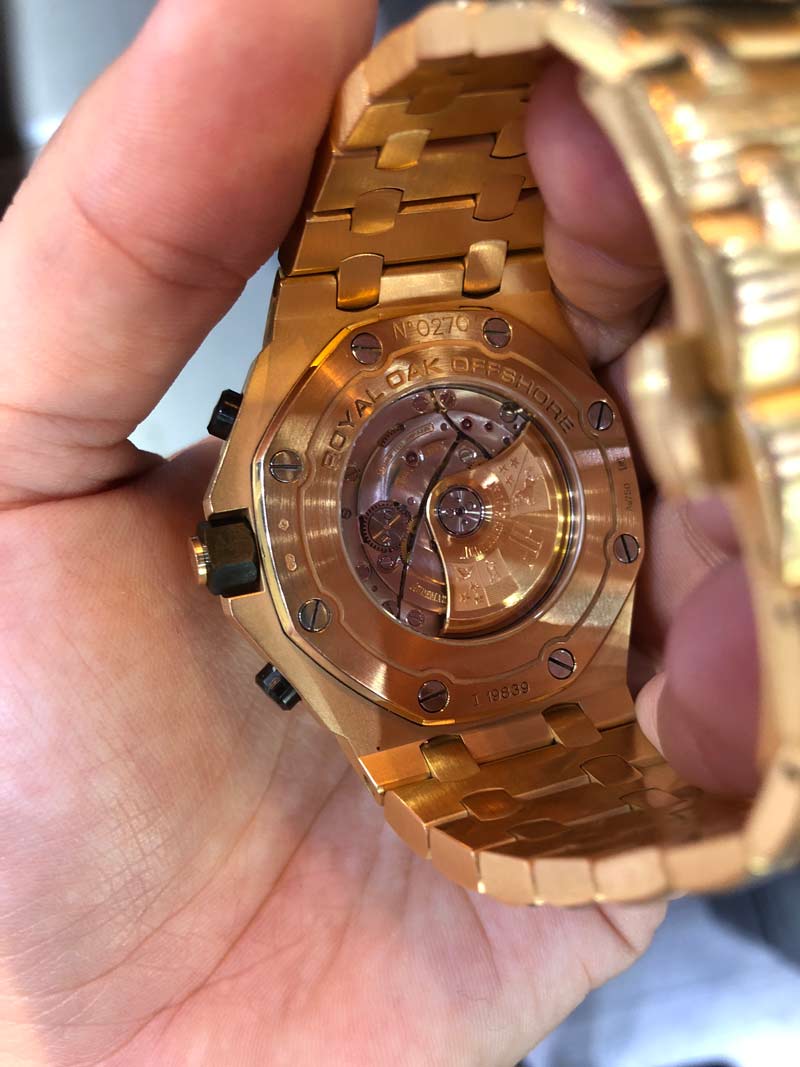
point(425, 512)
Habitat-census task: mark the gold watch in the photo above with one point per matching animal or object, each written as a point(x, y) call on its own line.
point(425, 511)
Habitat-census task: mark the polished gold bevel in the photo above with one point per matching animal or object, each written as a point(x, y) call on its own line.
point(298, 523)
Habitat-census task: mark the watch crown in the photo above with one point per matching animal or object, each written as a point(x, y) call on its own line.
point(200, 560)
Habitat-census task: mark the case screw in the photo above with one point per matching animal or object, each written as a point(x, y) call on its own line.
point(366, 348)
point(626, 548)
point(314, 616)
point(497, 333)
point(600, 415)
point(561, 663)
point(433, 696)
point(286, 466)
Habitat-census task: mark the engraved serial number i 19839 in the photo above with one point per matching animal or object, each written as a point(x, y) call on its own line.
point(503, 692)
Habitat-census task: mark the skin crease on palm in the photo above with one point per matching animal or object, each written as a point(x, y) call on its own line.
point(189, 875)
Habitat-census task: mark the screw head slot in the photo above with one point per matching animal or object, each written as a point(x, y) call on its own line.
point(433, 696)
point(366, 348)
point(286, 466)
point(314, 616)
point(600, 415)
point(626, 548)
point(496, 332)
point(561, 663)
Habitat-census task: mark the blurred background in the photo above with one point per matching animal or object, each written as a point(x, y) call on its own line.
point(720, 986)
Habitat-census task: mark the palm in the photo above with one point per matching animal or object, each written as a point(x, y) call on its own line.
point(194, 876)
point(191, 865)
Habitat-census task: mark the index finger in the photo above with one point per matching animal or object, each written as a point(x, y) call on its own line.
point(600, 249)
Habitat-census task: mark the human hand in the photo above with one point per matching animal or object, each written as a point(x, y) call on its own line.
point(190, 875)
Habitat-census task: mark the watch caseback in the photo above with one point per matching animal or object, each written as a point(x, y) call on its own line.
point(457, 525)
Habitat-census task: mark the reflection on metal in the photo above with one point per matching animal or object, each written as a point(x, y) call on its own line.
point(498, 567)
